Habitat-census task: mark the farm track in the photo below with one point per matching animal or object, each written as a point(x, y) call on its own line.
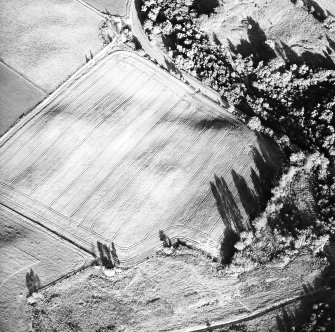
point(254, 314)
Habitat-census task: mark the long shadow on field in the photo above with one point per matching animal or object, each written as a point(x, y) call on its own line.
point(313, 60)
point(318, 13)
point(264, 175)
point(247, 196)
point(227, 207)
point(216, 124)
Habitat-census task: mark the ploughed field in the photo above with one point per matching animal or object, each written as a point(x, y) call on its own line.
point(128, 150)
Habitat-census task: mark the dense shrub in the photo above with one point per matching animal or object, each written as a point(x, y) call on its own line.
point(282, 229)
point(324, 191)
point(290, 102)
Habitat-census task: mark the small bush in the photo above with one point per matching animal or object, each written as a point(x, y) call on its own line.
point(167, 243)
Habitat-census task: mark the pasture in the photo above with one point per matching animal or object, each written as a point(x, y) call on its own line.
point(128, 150)
point(17, 96)
point(24, 245)
point(46, 41)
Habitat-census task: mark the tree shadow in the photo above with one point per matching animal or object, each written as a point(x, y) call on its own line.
point(266, 172)
point(286, 321)
point(315, 9)
point(205, 6)
point(264, 176)
point(226, 205)
point(171, 67)
point(331, 43)
point(217, 40)
point(255, 45)
point(313, 60)
point(216, 124)
point(247, 196)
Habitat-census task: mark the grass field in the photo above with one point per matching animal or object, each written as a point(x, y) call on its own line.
point(174, 293)
point(17, 96)
point(128, 150)
point(47, 41)
point(114, 7)
point(24, 245)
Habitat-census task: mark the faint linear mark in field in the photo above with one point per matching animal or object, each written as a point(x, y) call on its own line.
point(29, 124)
point(173, 107)
point(34, 262)
point(23, 76)
point(74, 85)
point(133, 259)
point(122, 104)
point(151, 156)
point(62, 133)
point(172, 204)
point(144, 163)
point(88, 135)
point(102, 182)
point(38, 133)
point(91, 8)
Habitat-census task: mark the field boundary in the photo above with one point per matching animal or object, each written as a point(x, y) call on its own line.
point(47, 228)
point(109, 50)
point(35, 211)
point(97, 11)
point(24, 77)
point(81, 71)
point(90, 7)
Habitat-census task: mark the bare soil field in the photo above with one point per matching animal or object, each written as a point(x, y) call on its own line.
point(17, 96)
point(128, 150)
point(47, 41)
point(115, 7)
point(173, 293)
point(24, 245)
